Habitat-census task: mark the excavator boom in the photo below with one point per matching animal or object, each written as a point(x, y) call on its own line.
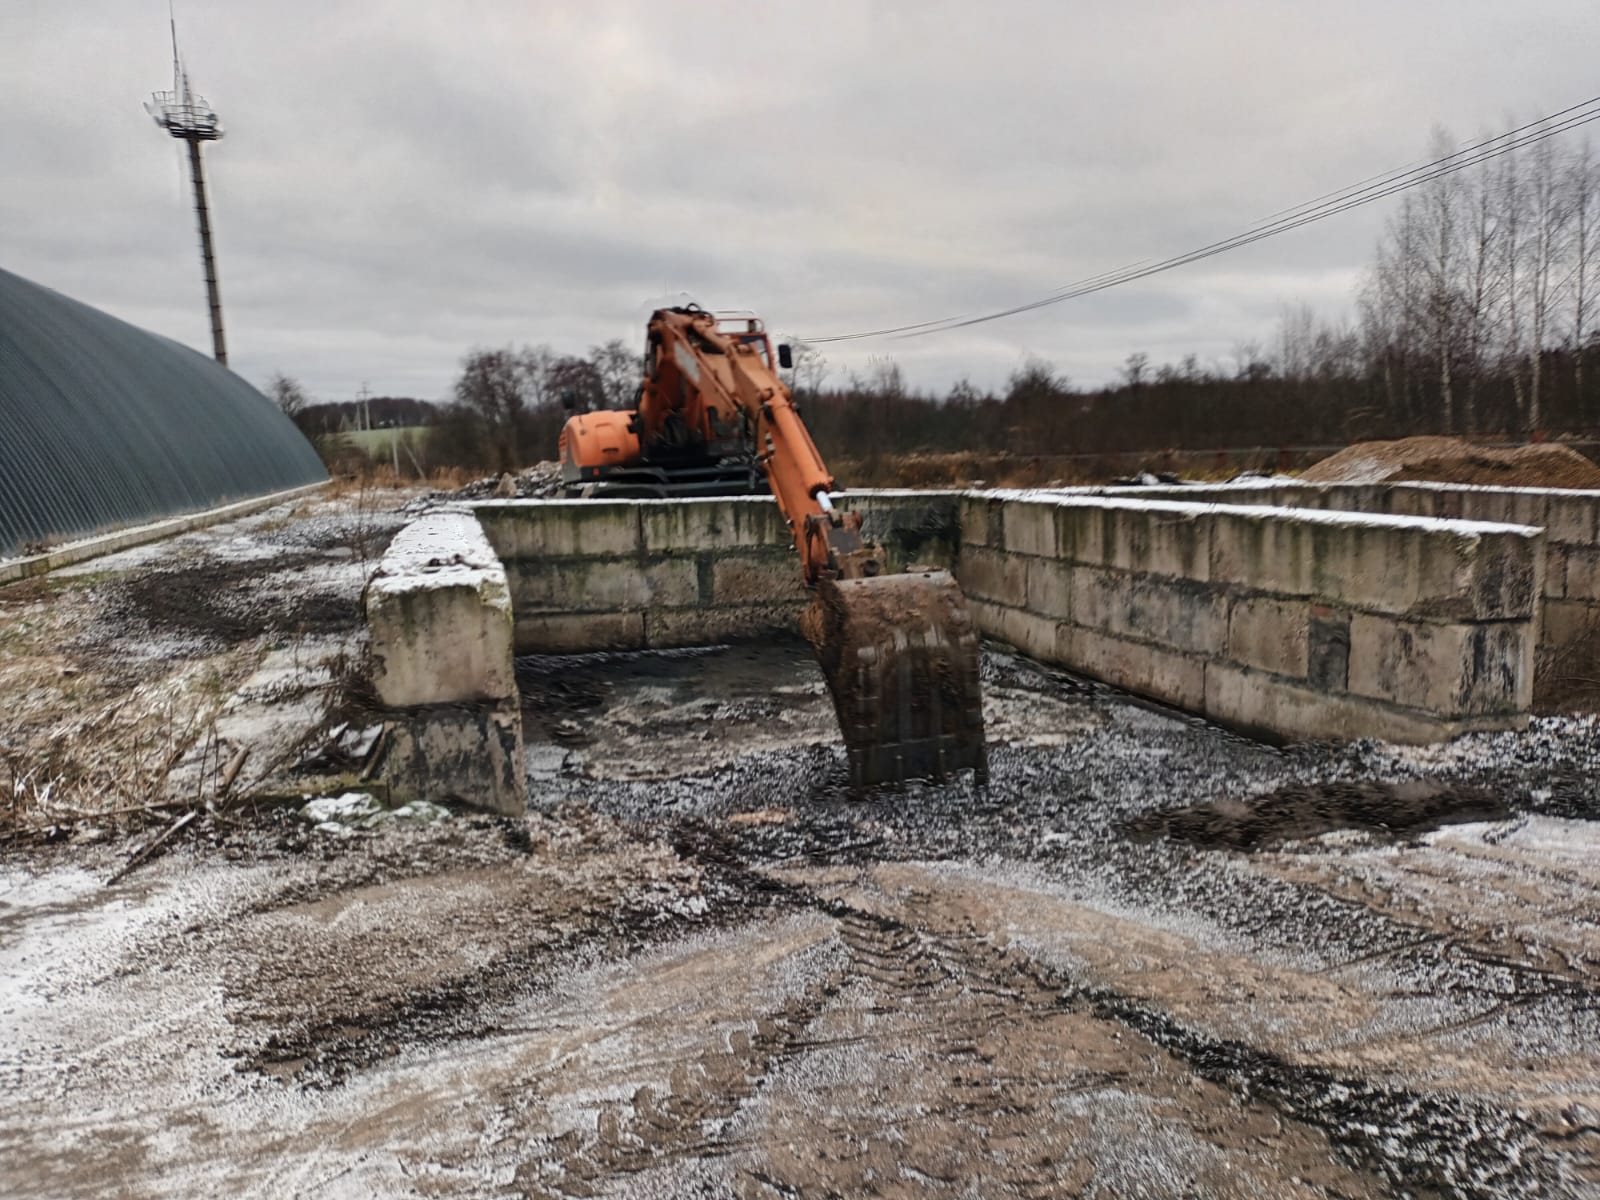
point(899, 651)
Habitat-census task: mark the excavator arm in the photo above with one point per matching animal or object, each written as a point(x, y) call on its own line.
point(707, 377)
point(899, 651)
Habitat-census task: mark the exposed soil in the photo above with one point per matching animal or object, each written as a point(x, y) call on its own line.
point(1450, 460)
point(1150, 958)
point(1305, 810)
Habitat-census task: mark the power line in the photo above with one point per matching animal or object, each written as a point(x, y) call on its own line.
point(1327, 205)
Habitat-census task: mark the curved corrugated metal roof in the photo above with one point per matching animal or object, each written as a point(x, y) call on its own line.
point(103, 424)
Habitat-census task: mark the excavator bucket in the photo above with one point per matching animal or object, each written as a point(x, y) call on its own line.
point(900, 654)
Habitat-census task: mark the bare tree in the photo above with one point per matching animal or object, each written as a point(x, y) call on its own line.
point(288, 395)
point(619, 372)
point(1296, 336)
point(1583, 186)
point(1482, 254)
point(810, 368)
point(1511, 203)
point(1548, 211)
point(1438, 216)
point(1134, 369)
point(537, 362)
point(885, 378)
point(494, 385)
point(576, 382)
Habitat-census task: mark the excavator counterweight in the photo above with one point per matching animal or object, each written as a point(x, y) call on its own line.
point(899, 651)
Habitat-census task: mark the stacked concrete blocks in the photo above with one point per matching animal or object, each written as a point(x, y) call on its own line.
point(589, 575)
point(1570, 609)
point(1290, 622)
point(440, 620)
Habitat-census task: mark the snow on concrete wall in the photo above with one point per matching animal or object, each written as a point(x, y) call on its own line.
point(1294, 622)
point(634, 574)
point(1291, 622)
point(1571, 519)
point(439, 617)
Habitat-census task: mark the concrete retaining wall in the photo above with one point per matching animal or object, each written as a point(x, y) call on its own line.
point(634, 574)
point(439, 617)
point(1571, 519)
point(1291, 622)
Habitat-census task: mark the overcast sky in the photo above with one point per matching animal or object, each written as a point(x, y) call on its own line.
point(404, 180)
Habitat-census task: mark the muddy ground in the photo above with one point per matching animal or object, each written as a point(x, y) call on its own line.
point(1151, 958)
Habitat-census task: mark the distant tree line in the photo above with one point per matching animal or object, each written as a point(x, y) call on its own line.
point(1477, 316)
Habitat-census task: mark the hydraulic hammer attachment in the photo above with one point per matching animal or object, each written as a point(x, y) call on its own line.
point(900, 654)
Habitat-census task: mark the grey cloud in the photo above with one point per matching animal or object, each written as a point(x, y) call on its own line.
point(403, 181)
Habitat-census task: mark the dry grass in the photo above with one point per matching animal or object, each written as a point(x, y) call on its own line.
point(383, 477)
point(83, 747)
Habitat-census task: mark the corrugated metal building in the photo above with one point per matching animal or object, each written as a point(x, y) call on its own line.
point(104, 425)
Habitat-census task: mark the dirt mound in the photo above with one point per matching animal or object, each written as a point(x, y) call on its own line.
point(1451, 460)
point(1306, 810)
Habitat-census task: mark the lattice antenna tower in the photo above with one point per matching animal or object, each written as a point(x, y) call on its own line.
point(186, 116)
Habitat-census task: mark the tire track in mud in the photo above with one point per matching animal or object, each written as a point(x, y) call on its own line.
point(686, 1119)
point(697, 1114)
point(617, 913)
point(1449, 1145)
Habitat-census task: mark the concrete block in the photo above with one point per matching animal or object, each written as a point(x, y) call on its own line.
point(1503, 506)
point(1451, 670)
point(914, 528)
point(665, 628)
point(601, 585)
point(1029, 527)
point(981, 520)
point(1049, 586)
point(1258, 553)
point(1155, 542)
point(1158, 672)
point(1275, 707)
point(1400, 501)
point(441, 645)
point(758, 579)
point(1420, 569)
point(717, 525)
point(1581, 577)
point(990, 574)
point(1270, 635)
point(439, 616)
point(1574, 518)
point(459, 755)
point(1034, 635)
point(1555, 569)
point(1328, 649)
point(560, 528)
point(578, 633)
point(1173, 613)
point(1084, 534)
point(1565, 623)
point(1506, 577)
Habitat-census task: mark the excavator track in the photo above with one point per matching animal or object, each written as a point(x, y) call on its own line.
point(900, 655)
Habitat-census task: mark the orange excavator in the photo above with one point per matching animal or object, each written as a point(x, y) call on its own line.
point(899, 651)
